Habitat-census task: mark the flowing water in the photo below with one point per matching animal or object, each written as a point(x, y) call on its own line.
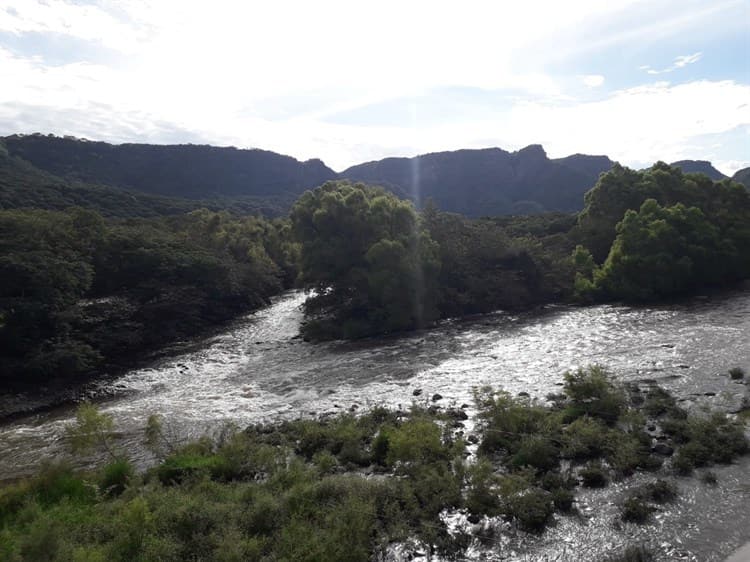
point(259, 369)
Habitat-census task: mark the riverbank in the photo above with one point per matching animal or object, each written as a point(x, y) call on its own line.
point(391, 482)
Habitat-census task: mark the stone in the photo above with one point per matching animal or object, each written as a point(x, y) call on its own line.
point(663, 449)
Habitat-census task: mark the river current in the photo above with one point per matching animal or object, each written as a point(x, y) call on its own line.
point(259, 369)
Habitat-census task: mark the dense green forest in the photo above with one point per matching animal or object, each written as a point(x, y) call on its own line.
point(84, 292)
point(294, 490)
point(81, 294)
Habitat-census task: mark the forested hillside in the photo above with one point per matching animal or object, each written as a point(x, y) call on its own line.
point(188, 171)
point(80, 294)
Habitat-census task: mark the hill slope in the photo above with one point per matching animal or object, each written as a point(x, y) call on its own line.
point(22, 185)
point(742, 176)
point(189, 171)
point(489, 181)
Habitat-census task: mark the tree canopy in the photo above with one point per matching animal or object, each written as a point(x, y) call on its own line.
point(367, 258)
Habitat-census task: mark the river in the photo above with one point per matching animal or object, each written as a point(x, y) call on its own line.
point(259, 369)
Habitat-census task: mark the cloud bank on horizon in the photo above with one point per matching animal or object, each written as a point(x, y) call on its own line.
point(349, 82)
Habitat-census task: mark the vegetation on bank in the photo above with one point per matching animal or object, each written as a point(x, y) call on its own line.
point(348, 487)
point(376, 266)
point(80, 294)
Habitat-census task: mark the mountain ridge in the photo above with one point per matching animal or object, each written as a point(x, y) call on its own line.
point(473, 182)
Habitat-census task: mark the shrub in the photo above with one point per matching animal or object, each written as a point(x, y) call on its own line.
point(563, 499)
point(482, 497)
point(586, 438)
point(633, 554)
point(592, 392)
point(659, 402)
point(593, 476)
point(380, 446)
point(531, 508)
point(660, 491)
point(58, 481)
point(325, 462)
point(736, 373)
point(709, 477)
point(416, 440)
point(116, 476)
point(178, 467)
point(506, 418)
point(537, 452)
point(636, 510)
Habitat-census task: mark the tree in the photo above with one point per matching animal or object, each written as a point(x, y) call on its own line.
point(661, 252)
point(366, 258)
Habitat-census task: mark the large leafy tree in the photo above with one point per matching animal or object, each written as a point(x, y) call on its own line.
point(367, 259)
point(662, 251)
point(726, 204)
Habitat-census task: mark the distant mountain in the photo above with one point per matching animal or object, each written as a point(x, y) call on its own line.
point(700, 167)
point(188, 171)
point(23, 185)
point(742, 176)
point(489, 181)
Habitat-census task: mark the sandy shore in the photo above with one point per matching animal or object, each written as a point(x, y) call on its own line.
point(742, 554)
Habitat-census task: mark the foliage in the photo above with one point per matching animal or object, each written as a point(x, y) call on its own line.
point(91, 430)
point(496, 264)
point(295, 489)
point(592, 393)
point(294, 512)
point(636, 510)
point(367, 259)
point(661, 233)
point(80, 294)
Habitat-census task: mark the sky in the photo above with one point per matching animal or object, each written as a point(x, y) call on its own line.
point(349, 81)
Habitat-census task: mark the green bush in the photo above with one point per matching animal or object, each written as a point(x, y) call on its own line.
point(417, 440)
point(116, 476)
point(531, 509)
point(586, 438)
point(177, 468)
point(56, 482)
point(593, 476)
point(659, 491)
point(635, 510)
point(593, 393)
point(537, 452)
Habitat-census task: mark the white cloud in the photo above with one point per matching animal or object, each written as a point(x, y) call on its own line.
point(729, 167)
point(593, 80)
point(212, 71)
point(679, 62)
point(83, 21)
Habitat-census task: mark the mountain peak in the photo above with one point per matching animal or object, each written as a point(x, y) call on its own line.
point(700, 167)
point(533, 150)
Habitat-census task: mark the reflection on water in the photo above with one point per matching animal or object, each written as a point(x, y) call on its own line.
point(259, 370)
